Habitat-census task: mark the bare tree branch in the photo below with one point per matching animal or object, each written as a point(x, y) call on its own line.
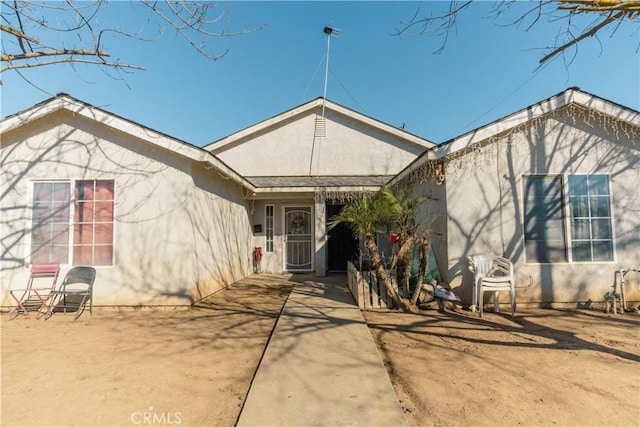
point(628, 6)
point(18, 34)
point(71, 60)
point(608, 13)
point(38, 54)
point(45, 33)
point(591, 32)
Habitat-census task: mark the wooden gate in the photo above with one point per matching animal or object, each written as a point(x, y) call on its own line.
point(367, 290)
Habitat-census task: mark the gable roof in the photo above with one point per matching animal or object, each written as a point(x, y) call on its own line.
point(571, 95)
point(320, 102)
point(62, 101)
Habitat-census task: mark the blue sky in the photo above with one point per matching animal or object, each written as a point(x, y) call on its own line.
point(485, 72)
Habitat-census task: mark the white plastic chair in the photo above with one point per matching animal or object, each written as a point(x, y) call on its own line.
point(491, 273)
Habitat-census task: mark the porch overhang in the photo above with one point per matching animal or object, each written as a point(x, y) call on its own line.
point(311, 192)
point(320, 187)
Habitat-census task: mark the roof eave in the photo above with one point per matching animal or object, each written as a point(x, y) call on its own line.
point(65, 102)
point(34, 113)
point(309, 189)
point(571, 95)
point(230, 139)
point(220, 144)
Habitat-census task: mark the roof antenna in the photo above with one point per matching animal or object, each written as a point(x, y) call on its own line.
point(329, 31)
point(320, 131)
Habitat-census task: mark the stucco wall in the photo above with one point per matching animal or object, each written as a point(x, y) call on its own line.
point(274, 261)
point(350, 148)
point(182, 231)
point(485, 207)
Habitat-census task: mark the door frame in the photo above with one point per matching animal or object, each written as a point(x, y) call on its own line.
point(312, 247)
point(331, 235)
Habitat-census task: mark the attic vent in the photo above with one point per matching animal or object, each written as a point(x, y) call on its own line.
point(321, 127)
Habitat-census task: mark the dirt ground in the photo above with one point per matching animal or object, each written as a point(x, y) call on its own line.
point(194, 367)
point(543, 367)
point(145, 367)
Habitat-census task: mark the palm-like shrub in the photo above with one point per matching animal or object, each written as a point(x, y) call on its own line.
point(389, 211)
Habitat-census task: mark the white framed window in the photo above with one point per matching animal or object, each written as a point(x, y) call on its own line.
point(567, 218)
point(590, 218)
point(268, 229)
point(50, 222)
point(93, 222)
point(74, 230)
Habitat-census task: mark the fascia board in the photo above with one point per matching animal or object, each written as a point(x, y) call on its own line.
point(226, 170)
point(100, 116)
point(313, 189)
point(502, 125)
point(606, 107)
point(189, 151)
point(217, 146)
point(530, 113)
point(31, 114)
point(138, 131)
point(400, 133)
point(125, 126)
point(527, 114)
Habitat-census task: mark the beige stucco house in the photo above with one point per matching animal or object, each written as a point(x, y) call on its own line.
point(162, 221)
point(554, 187)
point(305, 164)
point(165, 222)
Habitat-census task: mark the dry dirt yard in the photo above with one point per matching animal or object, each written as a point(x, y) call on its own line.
point(543, 367)
point(194, 367)
point(145, 367)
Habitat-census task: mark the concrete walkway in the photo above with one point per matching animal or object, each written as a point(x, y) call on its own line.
point(321, 366)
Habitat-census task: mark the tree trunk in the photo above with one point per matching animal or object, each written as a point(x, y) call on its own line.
point(406, 278)
point(422, 271)
point(383, 275)
point(403, 260)
point(404, 265)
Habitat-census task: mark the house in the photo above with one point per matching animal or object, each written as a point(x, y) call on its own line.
point(162, 221)
point(168, 223)
point(305, 164)
point(554, 187)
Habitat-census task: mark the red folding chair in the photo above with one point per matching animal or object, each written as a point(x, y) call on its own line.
point(35, 297)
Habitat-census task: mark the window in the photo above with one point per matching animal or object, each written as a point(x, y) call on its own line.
point(93, 223)
point(268, 213)
point(50, 222)
point(544, 220)
point(567, 226)
point(81, 227)
point(591, 234)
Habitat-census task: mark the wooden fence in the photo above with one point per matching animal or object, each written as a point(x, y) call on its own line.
point(367, 290)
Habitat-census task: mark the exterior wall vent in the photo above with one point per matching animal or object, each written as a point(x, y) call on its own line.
point(321, 127)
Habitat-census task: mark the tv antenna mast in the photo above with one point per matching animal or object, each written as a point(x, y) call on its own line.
point(329, 31)
point(320, 125)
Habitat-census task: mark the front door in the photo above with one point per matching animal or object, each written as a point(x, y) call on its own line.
point(342, 246)
point(298, 226)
